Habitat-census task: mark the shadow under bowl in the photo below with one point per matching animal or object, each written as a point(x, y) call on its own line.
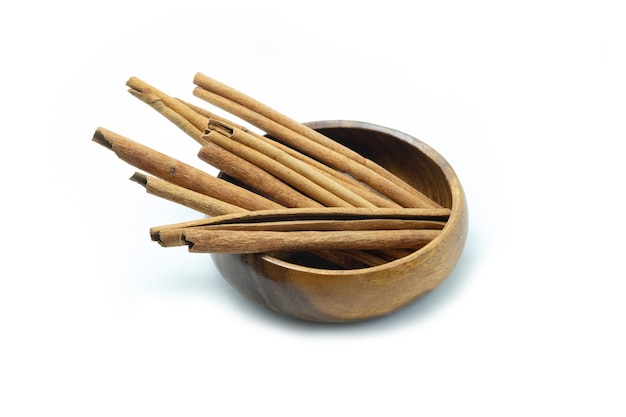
point(320, 294)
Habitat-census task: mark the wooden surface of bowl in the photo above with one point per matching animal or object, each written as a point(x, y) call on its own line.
point(332, 295)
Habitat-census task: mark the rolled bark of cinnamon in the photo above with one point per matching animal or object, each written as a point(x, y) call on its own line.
point(234, 242)
point(284, 158)
point(357, 188)
point(196, 201)
point(279, 125)
point(139, 87)
point(427, 218)
point(179, 173)
point(179, 113)
point(294, 166)
point(329, 156)
point(328, 225)
point(295, 179)
point(250, 174)
point(154, 101)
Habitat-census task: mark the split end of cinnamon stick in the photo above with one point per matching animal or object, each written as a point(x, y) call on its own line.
point(139, 178)
point(100, 137)
point(137, 85)
point(169, 238)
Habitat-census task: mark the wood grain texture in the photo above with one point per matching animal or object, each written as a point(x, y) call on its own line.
point(308, 291)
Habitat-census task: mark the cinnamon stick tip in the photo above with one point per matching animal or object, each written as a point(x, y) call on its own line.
point(155, 236)
point(168, 239)
point(100, 137)
point(133, 81)
point(139, 178)
point(197, 77)
point(197, 91)
point(137, 87)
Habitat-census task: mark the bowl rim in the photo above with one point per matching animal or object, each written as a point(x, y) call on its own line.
point(453, 182)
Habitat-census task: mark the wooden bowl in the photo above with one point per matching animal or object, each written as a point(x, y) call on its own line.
point(313, 293)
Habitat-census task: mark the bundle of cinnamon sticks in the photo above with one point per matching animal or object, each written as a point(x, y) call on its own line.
point(289, 190)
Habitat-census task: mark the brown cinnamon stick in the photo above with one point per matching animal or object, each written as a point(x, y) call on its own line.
point(196, 201)
point(179, 173)
point(328, 225)
point(154, 101)
point(324, 176)
point(281, 157)
point(296, 180)
point(293, 132)
point(175, 236)
point(139, 87)
point(346, 188)
point(228, 241)
point(330, 157)
point(358, 188)
point(301, 214)
point(377, 199)
point(252, 175)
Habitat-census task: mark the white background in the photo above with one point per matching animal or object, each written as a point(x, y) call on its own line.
point(526, 100)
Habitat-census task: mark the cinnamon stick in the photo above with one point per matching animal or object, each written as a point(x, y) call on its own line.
point(293, 132)
point(328, 225)
point(250, 174)
point(139, 87)
point(228, 241)
point(339, 184)
point(196, 201)
point(350, 190)
point(289, 161)
point(330, 157)
point(179, 173)
point(296, 180)
point(358, 188)
point(300, 214)
point(175, 237)
point(154, 101)
point(377, 199)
